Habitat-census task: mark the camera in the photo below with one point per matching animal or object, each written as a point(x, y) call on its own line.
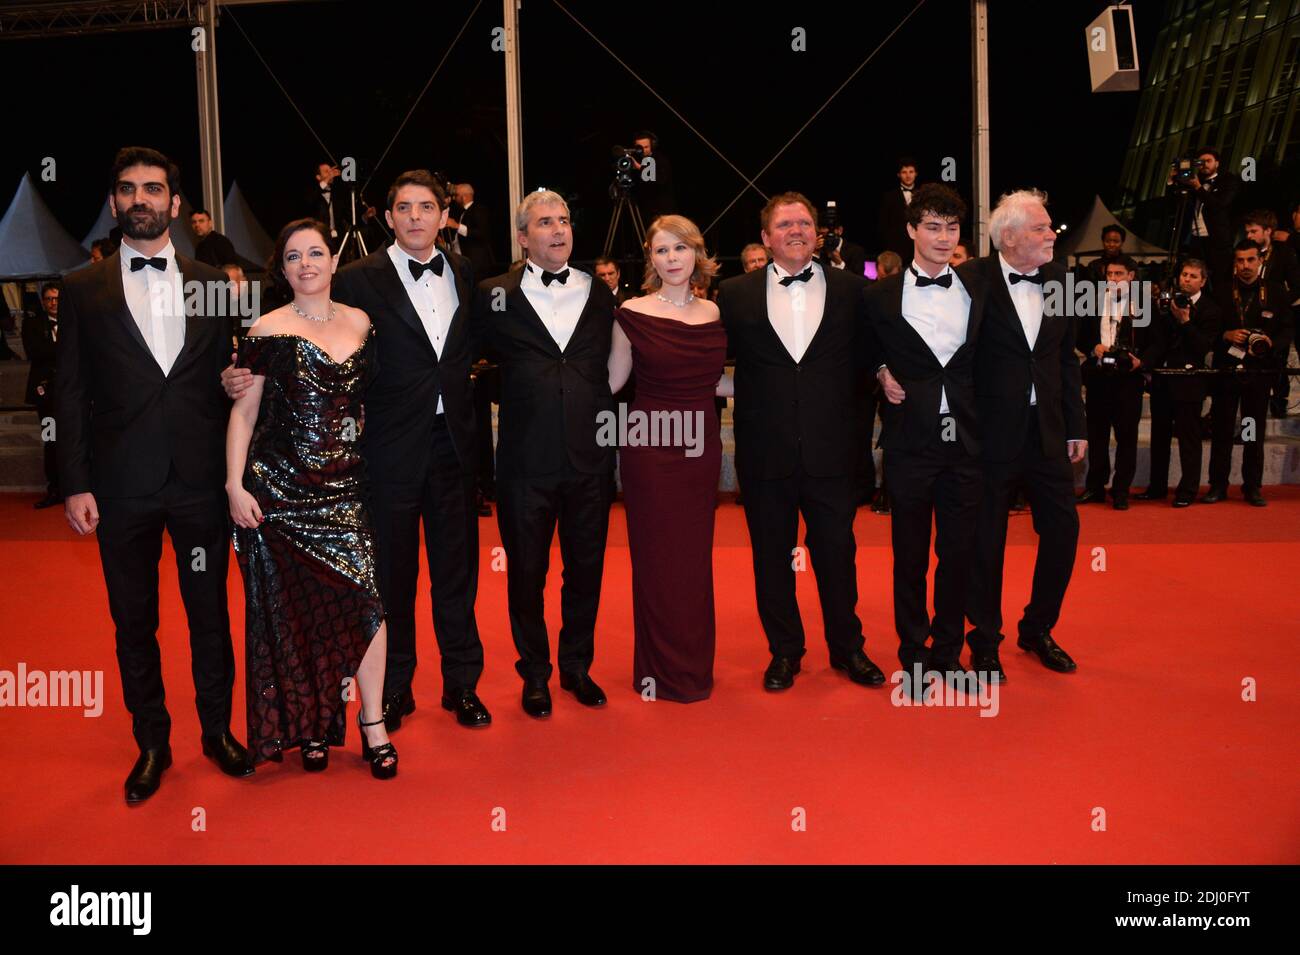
point(625, 166)
point(1117, 359)
point(1256, 343)
point(830, 220)
point(1173, 297)
point(1183, 171)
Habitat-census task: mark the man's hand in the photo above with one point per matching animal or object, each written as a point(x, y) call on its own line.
point(1098, 350)
point(1236, 336)
point(1184, 315)
point(452, 223)
point(234, 380)
point(893, 390)
point(1135, 361)
point(1077, 449)
point(82, 512)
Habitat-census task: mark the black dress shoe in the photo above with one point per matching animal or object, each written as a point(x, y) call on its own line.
point(1091, 496)
point(469, 709)
point(582, 686)
point(397, 705)
point(1152, 494)
point(1253, 497)
point(779, 674)
point(881, 505)
point(860, 669)
point(1120, 502)
point(49, 500)
point(987, 666)
point(537, 699)
point(146, 774)
point(1214, 495)
point(1045, 648)
point(1182, 499)
point(484, 508)
point(226, 752)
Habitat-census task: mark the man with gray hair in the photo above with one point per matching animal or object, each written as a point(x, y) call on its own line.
point(549, 326)
point(1030, 408)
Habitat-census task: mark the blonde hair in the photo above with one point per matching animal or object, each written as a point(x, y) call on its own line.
point(682, 228)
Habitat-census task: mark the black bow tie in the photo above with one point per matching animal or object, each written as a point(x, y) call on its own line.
point(434, 265)
point(1037, 278)
point(140, 262)
point(803, 276)
point(943, 281)
point(549, 277)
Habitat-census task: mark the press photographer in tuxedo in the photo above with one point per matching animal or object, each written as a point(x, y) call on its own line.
point(1027, 393)
point(142, 421)
point(922, 331)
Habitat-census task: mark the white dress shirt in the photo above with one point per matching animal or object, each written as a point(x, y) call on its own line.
point(939, 315)
point(559, 306)
point(795, 310)
point(434, 297)
point(907, 195)
point(1028, 299)
point(460, 229)
point(327, 193)
point(1112, 313)
point(1198, 221)
point(156, 303)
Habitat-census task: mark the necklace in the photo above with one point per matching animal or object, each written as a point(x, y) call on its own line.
point(315, 318)
point(690, 298)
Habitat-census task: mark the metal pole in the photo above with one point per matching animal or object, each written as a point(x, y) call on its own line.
point(205, 62)
point(979, 33)
point(514, 119)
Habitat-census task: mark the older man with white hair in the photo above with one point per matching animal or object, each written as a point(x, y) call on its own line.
point(1032, 426)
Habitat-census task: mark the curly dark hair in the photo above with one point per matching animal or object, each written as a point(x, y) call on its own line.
point(129, 156)
point(936, 199)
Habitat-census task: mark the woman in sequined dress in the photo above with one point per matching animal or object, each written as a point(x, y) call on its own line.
point(296, 483)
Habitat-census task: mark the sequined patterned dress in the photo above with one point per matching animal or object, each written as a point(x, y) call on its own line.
point(312, 604)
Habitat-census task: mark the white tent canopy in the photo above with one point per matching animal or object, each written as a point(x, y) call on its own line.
point(32, 243)
point(102, 227)
point(243, 230)
point(1086, 240)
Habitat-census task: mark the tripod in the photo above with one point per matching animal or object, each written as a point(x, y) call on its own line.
point(623, 204)
point(352, 232)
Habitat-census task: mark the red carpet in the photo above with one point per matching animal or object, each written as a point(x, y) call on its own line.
point(1152, 729)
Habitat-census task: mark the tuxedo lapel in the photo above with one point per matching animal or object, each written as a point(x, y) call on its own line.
point(384, 277)
point(114, 295)
point(464, 300)
point(517, 303)
point(757, 291)
point(193, 321)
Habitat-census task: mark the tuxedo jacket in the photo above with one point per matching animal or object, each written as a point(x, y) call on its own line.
point(1145, 341)
point(792, 414)
point(477, 246)
point(1215, 201)
point(1264, 306)
point(892, 341)
point(1186, 345)
point(550, 399)
point(38, 343)
point(1006, 367)
point(1284, 267)
point(122, 424)
point(893, 223)
point(216, 250)
point(401, 401)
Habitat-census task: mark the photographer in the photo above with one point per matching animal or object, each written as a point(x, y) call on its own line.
point(654, 195)
point(1117, 343)
point(1189, 322)
point(1279, 262)
point(832, 249)
point(1212, 194)
point(1257, 333)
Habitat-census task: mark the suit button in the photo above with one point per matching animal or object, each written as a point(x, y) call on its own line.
point(564, 361)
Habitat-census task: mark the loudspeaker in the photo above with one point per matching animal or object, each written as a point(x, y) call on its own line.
point(1112, 51)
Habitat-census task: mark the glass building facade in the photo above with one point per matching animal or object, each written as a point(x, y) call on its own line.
point(1224, 73)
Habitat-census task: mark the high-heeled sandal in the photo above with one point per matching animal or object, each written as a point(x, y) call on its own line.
point(315, 755)
point(378, 754)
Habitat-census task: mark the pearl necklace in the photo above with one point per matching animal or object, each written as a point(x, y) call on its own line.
point(315, 318)
point(690, 298)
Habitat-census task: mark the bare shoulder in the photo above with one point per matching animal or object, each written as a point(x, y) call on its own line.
point(271, 323)
point(640, 302)
point(709, 309)
point(355, 317)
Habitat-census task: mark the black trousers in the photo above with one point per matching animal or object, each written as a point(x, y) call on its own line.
point(942, 483)
point(828, 505)
point(1048, 482)
point(45, 409)
point(486, 384)
point(1250, 394)
point(130, 545)
point(1114, 403)
point(528, 513)
point(1175, 415)
point(444, 501)
point(866, 399)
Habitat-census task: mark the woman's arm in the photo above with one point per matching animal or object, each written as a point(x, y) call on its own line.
point(243, 417)
point(620, 359)
point(726, 387)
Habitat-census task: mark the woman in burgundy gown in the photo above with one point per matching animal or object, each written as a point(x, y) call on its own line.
point(669, 460)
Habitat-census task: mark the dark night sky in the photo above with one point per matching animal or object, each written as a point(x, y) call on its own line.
point(355, 68)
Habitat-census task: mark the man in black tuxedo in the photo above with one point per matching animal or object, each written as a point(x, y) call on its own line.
point(1278, 261)
point(473, 225)
point(798, 332)
point(213, 248)
point(1118, 344)
point(922, 329)
point(40, 338)
point(1027, 393)
point(549, 326)
point(419, 443)
point(1210, 224)
point(893, 211)
point(1189, 332)
point(1257, 330)
point(142, 427)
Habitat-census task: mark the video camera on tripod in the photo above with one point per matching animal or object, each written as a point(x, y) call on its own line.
point(627, 160)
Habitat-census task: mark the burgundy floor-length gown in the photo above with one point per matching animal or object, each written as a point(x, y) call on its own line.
point(670, 497)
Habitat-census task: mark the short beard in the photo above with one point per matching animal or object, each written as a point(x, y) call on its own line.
point(148, 230)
